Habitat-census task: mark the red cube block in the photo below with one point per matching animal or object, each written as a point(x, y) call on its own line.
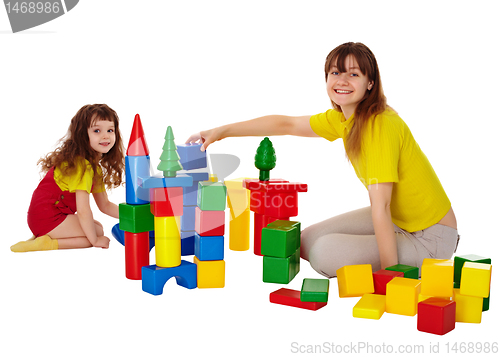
point(209, 223)
point(436, 315)
point(166, 201)
point(382, 277)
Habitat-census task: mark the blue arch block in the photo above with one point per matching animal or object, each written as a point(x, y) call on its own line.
point(154, 277)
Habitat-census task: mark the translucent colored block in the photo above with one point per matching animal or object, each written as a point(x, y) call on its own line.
point(437, 277)
point(402, 296)
point(355, 280)
point(370, 306)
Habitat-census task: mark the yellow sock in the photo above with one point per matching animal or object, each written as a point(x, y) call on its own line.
point(40, 243)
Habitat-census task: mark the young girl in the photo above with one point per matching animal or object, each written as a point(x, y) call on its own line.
point(410, 216)
point(89, 160)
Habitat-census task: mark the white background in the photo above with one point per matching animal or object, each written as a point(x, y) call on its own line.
point(195, 65)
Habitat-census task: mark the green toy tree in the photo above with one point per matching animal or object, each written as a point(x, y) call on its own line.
point(265, 159)
point(169, 159)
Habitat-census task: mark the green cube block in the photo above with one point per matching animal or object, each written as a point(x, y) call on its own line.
point(281, 270)
point(315, 290)
point(408, 271)
point(280, 239)
point(136, 218)
point(459, 261)
point(211, 196)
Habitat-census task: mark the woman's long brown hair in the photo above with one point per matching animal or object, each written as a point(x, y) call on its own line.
point(75, 145)
point(374, 101)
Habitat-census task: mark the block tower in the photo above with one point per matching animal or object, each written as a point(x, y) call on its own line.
point(209, 237)
point(136, 219)
point(270, 199)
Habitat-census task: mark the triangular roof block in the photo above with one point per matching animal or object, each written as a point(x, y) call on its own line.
point(137, 144)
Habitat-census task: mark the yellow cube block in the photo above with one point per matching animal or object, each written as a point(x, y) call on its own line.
point(167, 241)
point(355, 280)
point(468, 308)
point(239, 231)
point(402, 296)
point(370, 306)
point(476, 279)
point(437, 277)
point(211, 273)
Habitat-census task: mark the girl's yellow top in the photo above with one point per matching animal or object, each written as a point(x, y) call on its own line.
point(389, 153)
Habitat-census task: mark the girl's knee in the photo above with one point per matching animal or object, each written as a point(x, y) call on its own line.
point(321, 259)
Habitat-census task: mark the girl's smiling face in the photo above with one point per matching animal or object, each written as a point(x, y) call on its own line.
point(347, 89)
point(102, 136)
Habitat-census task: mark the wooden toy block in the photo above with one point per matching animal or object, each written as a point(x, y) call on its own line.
point(315, 290)
point(209, 247)
point(154, 277)
point(459, 260)
point(281, 270)
point(158, 181)
point(209, 223)
point(260, 221)
point(187, 243)
point(136, 254)
point(290, 297)
point(135, 167)
point(355, 280)
point(191, 157)
point(382, 277)
point(211, 196)
point(408, 270)
point(239, 231)
point(166, 201)
point(469, 308)
point(476, 279)
point(280, 239)
point(402, 296)
point(137, 145)
point(211, 273)
point(370, 306)
point(436, 316)
point(188, 218)
point(437, 277)
point(167, 241)
point(135, 218)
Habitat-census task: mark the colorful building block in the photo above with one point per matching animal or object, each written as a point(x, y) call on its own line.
point(209, 247)
point(315, 290)
point(280, 238)
point(157, 181)
point(290, 297)
point(137, 145)
point(135, 167)
point(154, 277)
point(211, 273)
point(188, 218)
point(408, 270)
point(436, 316)
point(437, 277)
point(166, 201)
point(476, 279)
point(211, 196)
point(370, 306)
point(259, 222)
point(191, 157)
point(187, 243)
point(469, 308)
point(209, 223)
point(382, 277)
point(402, 296)
point(136, 254)
point(239, 231)
point(459, 260)
point(355, 280)
point(135, 218)
point(191, 192)
point(167, 241)
point(281, 270)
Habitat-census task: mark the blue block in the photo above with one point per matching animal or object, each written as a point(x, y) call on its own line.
point(187, 243)
point(191, 193)
point(160, 181)
point(191, 157)
point(209, 247)
point(188, 218)
point(135, 167)
point(154, 278)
